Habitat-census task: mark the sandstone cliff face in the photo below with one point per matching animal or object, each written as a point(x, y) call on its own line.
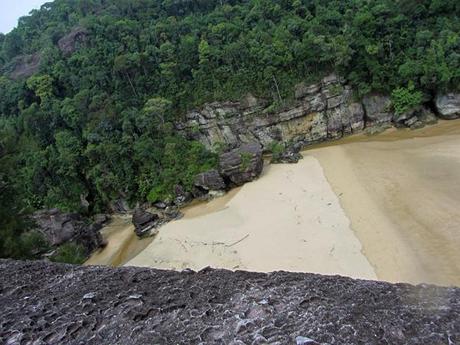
point(321, 111)
point(44, 303)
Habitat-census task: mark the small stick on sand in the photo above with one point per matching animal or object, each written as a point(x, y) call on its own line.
point(231, 245)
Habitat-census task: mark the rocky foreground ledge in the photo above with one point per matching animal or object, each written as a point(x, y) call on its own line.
point(45, 303)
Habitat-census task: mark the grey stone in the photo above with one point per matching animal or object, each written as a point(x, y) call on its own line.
point(377, 109)
point(120, 206)
point(411, 121)
point(448, 105)
point(302, 89)
point(241, 165)
point(427, 117)
point(144, 222)
point(210, 180)
point(60, 227)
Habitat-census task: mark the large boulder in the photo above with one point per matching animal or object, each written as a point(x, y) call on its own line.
point(289, 155)
point(144, 222)
point(25, 66)
point(59, 227)
point(377, 109)
point(448, 105)
point(242, 165)
point(210, 180)
point(69, 43)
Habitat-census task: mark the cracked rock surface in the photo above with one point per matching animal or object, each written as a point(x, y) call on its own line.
point(47, 303)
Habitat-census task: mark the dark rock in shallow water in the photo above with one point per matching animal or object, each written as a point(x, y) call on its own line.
point(144, 222)
point(45, 303)
point(59, 227)
point(242, 165)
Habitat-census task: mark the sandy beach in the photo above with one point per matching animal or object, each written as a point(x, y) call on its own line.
point(289, 219)
point(402, 197)
point(382, 207)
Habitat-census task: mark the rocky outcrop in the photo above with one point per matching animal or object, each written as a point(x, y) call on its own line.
point(290, 155)
point(321, 111)
point(120, 206)
point(448, 105)
point(70, 42)
point(241, 165)
point(415, 118)
point(24, 66)
point(59, 228)
point(144, 222)
point(210, 180)
point(45, 303)
point(378, 109)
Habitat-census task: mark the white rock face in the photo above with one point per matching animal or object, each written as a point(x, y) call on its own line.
point(448, 105)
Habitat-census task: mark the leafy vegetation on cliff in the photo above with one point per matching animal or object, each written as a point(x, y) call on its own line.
point(95, 123)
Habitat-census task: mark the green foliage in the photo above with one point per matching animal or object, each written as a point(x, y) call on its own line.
point(406, 98)
point(276, 148)
point(42, 86)
point(70, 253)
point(245, 160)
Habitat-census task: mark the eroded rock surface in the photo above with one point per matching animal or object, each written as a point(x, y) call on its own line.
point(144, 222)
point(242, 165)
point(321, 111)
point(210, 180)
point(44, 303)
point(378, 109)
point(60, 227)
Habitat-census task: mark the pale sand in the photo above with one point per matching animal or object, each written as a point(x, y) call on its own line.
point(403, 198)
point(290, 219)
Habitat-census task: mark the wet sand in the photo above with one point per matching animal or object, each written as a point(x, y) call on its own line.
point(289, 219)
point(402, 196)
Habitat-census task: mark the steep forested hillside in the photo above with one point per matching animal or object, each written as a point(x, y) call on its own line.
point(90, 89)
